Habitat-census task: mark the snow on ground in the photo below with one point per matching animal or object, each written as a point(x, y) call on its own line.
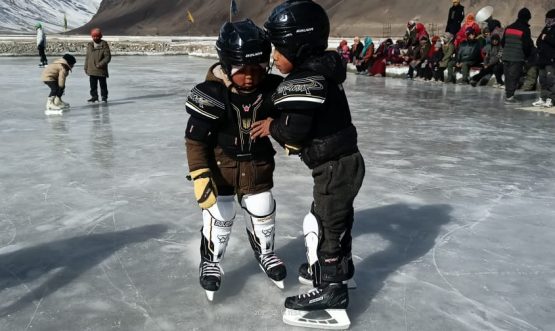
point(99, 229)
point(20, 16)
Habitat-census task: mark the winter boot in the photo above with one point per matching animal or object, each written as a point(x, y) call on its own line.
point(58, 101)
point(538, 103)
point(52, 108)
point(93, 99)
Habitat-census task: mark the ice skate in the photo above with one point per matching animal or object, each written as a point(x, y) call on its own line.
point(538, 103)
point(93, 99)
point(58, 102)
point(323, 307)
point(273, 267)
point(52, 108)
point(210, 277)
point(548, 103)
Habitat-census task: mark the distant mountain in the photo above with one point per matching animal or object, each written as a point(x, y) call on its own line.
point(348, 17)
point(20, 16)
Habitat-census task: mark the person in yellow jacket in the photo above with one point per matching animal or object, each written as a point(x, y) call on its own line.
point(54, 75)
point(96, 65)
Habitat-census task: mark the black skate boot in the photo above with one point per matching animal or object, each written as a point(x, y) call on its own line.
point(273, 267)
point(326, 296)
point(210, 277)
point(323, 307)
point(93, 99)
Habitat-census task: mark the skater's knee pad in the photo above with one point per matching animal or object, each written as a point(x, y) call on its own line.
point(223, 210)
point(259, 205)
point(217, 225)
point(260, 214)
point(311, 230)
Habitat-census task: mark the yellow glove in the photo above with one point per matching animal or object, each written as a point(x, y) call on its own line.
point(205, 188)
point(292, 149)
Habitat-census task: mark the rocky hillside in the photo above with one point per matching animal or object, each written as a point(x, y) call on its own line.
point(20, 16)
point(348, 17)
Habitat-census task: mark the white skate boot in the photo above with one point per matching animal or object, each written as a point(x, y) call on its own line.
point(538, 103)
point(58, 101)
point(52, 108)
point(548, 103)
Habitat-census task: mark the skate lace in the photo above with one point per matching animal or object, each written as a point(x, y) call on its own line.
point(210, 269)
point(269, 261)
point(311, 293)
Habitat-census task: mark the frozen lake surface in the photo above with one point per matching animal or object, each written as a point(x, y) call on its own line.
point(454, 225)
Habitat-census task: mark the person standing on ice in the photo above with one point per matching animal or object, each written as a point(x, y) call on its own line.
point(96, 65)
point(224, 162)
point(41, 44)
point(54, 75)
point(455, 18)
point(315, 123)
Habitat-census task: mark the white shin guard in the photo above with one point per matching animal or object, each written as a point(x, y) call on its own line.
point(216, 230)
point(260, 212)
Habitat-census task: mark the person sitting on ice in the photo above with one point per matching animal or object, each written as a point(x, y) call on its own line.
point(380, 59)
point(419, 58)
point(434, 57)
point(224, 162)
point(344, 52)
point(470, 22)
point(492, 63)
point(468, 55)
point(394, 53)
point(356, 50)
point(367, 55)
point(54, 76)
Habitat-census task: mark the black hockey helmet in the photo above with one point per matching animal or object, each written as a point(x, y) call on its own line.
point(298, 28)
point(241, 43)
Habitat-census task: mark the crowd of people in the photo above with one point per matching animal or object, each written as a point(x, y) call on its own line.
point(506, 53)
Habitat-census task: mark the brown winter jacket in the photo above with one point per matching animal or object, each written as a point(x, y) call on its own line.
point(57, 71)
point(97, 59)
point(231, 176)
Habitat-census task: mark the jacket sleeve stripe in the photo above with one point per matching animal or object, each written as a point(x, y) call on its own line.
point(514, 32)
point(198, 110)
point(209, 98)
point(314, 99)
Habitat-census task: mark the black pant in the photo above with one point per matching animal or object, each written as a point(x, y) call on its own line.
point(439, 74)
point(336, 184)
point(42, 54)
point(512, 71)
point(55, 89)
point(495, 69)
point(94, 80)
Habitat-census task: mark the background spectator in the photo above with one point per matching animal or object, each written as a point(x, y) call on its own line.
point(41, 44)
point(546, 61)
point(455, 18)
point(517, 47)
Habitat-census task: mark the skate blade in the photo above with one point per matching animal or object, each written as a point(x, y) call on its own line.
point(210, 295)
point(328, 319)
point(53, 112)
point(351, 284)
point(279, 283)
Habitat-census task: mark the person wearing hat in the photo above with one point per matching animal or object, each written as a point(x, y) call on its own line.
point(96, 65)
point(546, 61)
point(517, 47)
point(492, 63)
point(468, 54)
point(41, 44)
point(456, 16)
point(54, 76)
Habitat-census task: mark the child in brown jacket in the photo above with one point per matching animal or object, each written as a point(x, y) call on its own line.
point(54, 75)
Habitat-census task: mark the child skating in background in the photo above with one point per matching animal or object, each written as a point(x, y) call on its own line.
point(54, 75)
point(224, 163)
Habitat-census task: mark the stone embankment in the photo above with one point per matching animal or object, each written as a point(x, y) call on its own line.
point(26, 46)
